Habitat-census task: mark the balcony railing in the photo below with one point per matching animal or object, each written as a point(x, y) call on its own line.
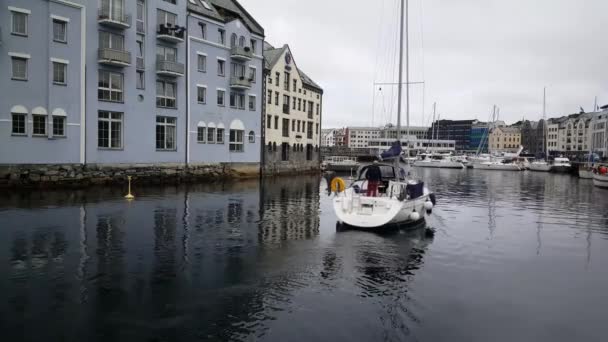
point(285, 109)
point(240, 52)
point(113, 18)
point(240, 82)
point(170, 33)
point(140, 63)
point(114, 57)
point(169, 68)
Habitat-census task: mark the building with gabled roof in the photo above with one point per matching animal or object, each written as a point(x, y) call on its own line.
point(292, 114)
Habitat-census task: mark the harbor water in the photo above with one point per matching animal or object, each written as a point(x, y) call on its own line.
point(516, 256)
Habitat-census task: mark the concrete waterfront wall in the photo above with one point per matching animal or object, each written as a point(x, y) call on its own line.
point(76, 175)
point(297, 163)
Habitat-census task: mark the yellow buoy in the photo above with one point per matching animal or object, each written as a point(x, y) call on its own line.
point(129, 196)
point(337, 185)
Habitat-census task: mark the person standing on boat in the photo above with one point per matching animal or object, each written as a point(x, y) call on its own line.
point(373, 176)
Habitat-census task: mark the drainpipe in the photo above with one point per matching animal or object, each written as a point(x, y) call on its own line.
point(320, 125)
point(187, 156)
point(263, 118)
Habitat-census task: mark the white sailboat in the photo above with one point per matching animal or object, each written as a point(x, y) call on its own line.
point(401, 200)
point(542, 165)
point(439, 160)
point(600, 180)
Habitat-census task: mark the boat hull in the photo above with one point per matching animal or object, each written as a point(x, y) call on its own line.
point(342, 167)
point(585, 174)
point(540, 167)
point(365, 212)
point(497, 167)
point(601, 181)
point(440, 165)
point(560, 168)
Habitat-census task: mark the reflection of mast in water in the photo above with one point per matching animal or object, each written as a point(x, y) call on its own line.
point(185, 220)
point(491, 214)
point(84, 255)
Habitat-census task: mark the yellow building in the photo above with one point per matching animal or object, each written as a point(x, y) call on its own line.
point(505, 139)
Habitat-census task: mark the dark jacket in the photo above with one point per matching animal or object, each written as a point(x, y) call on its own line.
point(373, 173)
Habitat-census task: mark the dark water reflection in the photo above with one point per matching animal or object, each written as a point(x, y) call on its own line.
point(517, 256)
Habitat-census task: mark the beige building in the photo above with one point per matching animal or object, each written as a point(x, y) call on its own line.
point(505, 139)
point(293, 104)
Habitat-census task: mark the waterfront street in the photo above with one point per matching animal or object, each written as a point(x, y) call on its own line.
point(516, 257)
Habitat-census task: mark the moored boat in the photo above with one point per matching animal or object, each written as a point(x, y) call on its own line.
point(438, 161)
point(399, 201)
point(540, 166)
point(561, 165)
point(601, 181)
point(498, 165)
point(340, 164)
point(585, 173)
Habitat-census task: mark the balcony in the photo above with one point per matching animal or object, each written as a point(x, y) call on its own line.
point(140, 63)
point(241, 53)
point(114, 19)
point(169, 68)
point(113, 57)
point(240, 82)
point(285, 109)
point(170, 33)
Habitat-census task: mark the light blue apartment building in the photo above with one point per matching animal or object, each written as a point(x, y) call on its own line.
point(129, 82)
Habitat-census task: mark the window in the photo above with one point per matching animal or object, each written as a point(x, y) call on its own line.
point(286, 81)
point(221, 94)
point(108, 40)
point(110, 86)
point(310, 106)
point(165, 94)
point(251, 137)
point(60, 31)
point(253, 45)
point(269, 80)
point(293, 126)
point(202, 63)
point(19, 66)
point(211, 135)
point(252, 74)
point(270, 96)
point(221, 36)
point(298, 126)
point(221, 67)
point(277, 76)
point(269, 121)
point(232, 99)
point(294, 103)
point(276, 122)
point(251, 102)
point(233, 40)
point(295, 85)
point(238, 70)
point(165, 133)
point(201, 94)
point(165, 18)
point(318, 109)
point(309, 130)
point(242, 41)
point(58, 126)
point(200, 134)
point(19, 124)
point(276, 98)
point(203, 30)
point(141, 80)
point(19, 20)
point(171, 1)
point(165, 53)
point(317, 130)
point(241, 101)
point(236, 141)
point(141, 15)
point(285, 128)
point(220, 136)
point(299, 104)
point(304, 106)
point(59, 73)
point(109, 130)
point(139, 40)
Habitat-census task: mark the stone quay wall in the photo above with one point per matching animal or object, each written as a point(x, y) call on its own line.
point(297, 163)
point(77, 175)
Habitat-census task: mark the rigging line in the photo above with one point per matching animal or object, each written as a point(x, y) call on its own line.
point(423, 60)
point(378, 47)
point(392, 71)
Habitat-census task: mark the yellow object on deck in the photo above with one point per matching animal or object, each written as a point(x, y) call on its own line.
point(338, 185)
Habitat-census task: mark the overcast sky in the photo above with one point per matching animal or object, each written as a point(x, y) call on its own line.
point(471, 54)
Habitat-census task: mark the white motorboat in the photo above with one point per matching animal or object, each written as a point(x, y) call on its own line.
point(438, 161)
point(540, 166)
point(600, 180)
point(501, 165)
point(561, 165)
point(585, 173)
point(399, 201)
point(340, 164)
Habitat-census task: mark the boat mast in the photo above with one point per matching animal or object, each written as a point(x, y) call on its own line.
point(545, 121)
point(400, 84)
